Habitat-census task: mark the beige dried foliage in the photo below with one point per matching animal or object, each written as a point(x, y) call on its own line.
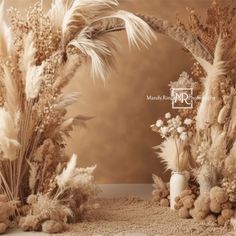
point(40, 54)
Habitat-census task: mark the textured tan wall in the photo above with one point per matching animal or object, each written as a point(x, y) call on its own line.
point(119, 139)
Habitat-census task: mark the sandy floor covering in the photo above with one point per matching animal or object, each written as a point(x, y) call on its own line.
point(135, 217)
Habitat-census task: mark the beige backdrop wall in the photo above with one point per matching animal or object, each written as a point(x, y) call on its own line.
point(119, 139)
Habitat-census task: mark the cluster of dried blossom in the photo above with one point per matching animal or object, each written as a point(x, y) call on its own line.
point(212, 146)
point(39, 56)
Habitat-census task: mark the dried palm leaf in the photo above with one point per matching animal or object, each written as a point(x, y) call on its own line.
point(99, 51)
point(99, 48)
point(80, 14)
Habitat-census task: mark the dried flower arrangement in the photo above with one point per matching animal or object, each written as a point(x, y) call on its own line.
point(39, 56)
point(202, 140)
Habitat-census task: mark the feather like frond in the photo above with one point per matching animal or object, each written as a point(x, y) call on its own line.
point(207, 178)
point(138, 31)
point(33, 173)
point(28, 59)
point(159, 184)
point(8, 135)
point(66, 100)
point(67, 173)
point(217, 149)
point(210, 105)
point(173, 154)
point(5, 34)
point(12, 100)
point(57, 12)
point(79, 121)
point(98, 50)
point(80, 14)
point(34, 78)
point(218, 66)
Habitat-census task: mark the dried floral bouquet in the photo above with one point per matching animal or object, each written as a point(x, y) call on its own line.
point(39, 55)
point(202, 141)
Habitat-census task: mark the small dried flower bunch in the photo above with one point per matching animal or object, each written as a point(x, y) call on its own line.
point(177, 133)
point(39, 55)
point(174, 127)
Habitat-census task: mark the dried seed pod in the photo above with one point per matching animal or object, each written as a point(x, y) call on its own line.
point(164, 202)
point(215, 207)
point(221, 220)
point(188, 202)
point(52, 227)
point(3, 228)
point(218, 194)
point(227, 213)
point(203, 203)
point(184, 213)
point(211, 218)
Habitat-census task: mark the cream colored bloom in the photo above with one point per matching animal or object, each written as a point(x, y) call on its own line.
point(180, 129)
point(184, 136)
point(159, 123)
point(188, 121)
point(168, 115)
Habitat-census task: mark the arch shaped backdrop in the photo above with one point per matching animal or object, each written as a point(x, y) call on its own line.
point(119, 139)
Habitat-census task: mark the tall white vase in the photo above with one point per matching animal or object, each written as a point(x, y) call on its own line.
point(178, 183)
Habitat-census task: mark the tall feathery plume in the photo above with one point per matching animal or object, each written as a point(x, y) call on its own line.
point(8, 136)
point(5, 35)
point(67, 173)
point(211, 102)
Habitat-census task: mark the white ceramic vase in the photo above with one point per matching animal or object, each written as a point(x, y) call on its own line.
point(178, 183)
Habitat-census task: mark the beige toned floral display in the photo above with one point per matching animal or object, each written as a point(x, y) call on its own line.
point(41, 188)
point(44, 190)
point(201, 142)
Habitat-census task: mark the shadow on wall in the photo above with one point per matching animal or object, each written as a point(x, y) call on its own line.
point(119, 140)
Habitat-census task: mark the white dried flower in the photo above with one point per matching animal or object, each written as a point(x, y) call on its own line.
point(180, 129)
point(159, 123)
point(183, 136)
point(164, 130)
point(188, 121)
point(168, 115)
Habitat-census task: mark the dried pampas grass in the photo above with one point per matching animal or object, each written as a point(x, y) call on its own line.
point(174, 154)
point(8, 136)
point(211, 102)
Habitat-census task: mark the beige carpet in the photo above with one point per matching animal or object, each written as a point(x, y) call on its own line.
point(135, 217)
